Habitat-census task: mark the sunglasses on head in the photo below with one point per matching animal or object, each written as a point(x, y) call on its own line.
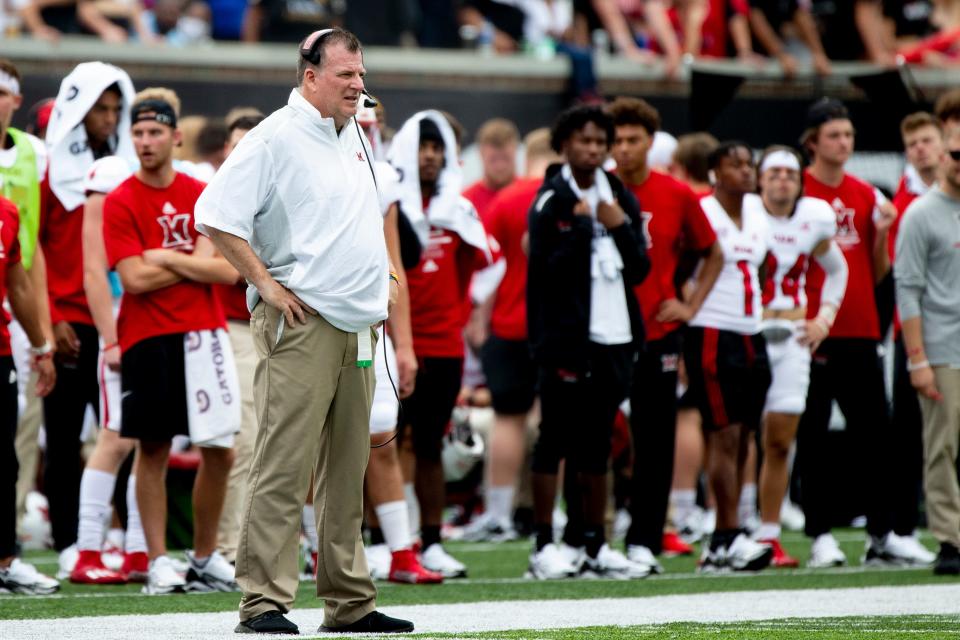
point(955, 154)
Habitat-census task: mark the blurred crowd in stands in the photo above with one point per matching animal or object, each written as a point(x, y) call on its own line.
point(794, 32)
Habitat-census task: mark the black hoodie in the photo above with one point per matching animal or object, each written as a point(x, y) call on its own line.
point(559, 278)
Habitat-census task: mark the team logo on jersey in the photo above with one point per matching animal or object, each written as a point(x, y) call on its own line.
point(176, 228)
point(645, 218)
point(846, 229)
point(359, 156)
point(430, 267)
point(669, 362)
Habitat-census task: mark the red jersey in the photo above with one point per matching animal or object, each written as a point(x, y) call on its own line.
point(61, 234)
point(137, 217)
point(9, 256)
point(481, 196)
point(438, 288)
point(672, 223)
point(854, 202)
point(507, 222)
point(233, 299)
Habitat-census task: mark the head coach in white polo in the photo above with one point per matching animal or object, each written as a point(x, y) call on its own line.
point(295, 210)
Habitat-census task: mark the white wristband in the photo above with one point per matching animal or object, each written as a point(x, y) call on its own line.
point(916, 366)
point(42, 350)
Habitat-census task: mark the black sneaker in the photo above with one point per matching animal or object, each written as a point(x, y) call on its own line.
point(373, 622)
point(269, 622)
point(948, 561)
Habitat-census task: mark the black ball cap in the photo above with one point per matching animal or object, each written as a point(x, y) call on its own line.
point(825, 110)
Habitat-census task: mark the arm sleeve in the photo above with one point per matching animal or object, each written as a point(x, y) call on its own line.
point(835, 276)
point(238, 191)
point(910, 272)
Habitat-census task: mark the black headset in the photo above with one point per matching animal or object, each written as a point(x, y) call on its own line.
point(311, 51)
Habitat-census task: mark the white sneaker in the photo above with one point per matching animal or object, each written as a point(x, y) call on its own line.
point(621, 524)
point(486, 528)
point(642, 556)
point(573, 556)
point(435, 558)
point(825, 552)
point(378, 561)
point(550, 564)
point(610, 563)
point(895, 551)
point(690, 528)
point(216, 574)
point(23, 578)
point(67, 561)
point(746, 554)
point(791, 516)
point(163, 578)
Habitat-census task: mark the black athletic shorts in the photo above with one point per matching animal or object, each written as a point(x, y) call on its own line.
point(154, 390)
point(511, 374)
point(728, 374)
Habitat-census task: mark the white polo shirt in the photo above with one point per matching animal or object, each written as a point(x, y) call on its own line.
point(305, 200)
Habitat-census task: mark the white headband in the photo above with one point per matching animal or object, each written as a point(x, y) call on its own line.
point(780, 159)
point(9, 83)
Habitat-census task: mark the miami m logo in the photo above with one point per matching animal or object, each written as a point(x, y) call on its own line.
point(176, 231)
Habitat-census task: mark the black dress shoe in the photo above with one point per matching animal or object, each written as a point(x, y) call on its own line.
point(948, 561)
point(373, 622)
point(271, 622)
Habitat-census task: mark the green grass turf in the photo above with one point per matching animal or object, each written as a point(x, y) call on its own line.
point(854, 628)
point(495, 572)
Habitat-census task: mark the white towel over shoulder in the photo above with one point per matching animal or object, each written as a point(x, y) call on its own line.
point(213, 389)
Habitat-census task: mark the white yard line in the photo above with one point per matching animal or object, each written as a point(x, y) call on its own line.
point(544, 614)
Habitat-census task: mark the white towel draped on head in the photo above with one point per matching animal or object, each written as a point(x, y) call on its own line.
point(70, 157)
point(446, 209)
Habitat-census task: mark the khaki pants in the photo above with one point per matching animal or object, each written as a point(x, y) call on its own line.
point(313, 411)
point(941, 436)
point(28, 446)
point(245, 355)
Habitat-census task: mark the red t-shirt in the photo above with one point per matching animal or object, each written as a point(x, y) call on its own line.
point(233, 299)
point(61, 238)
point(438, 288)
point(854, 202)
point(9, 255)
point(481, 196)
point(507, 222)
point(137, 217)
point(672, 222)
point(715, 29)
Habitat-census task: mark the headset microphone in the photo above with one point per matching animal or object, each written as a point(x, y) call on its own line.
point(369, 101)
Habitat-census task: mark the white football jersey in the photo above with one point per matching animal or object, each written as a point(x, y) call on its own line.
point(734, 303)
point(791, 244)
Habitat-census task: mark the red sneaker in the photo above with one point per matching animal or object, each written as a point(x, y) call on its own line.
point(90, 570)
point(673, 545)
point(781, 558)
point(405, 568)
point(136, 566)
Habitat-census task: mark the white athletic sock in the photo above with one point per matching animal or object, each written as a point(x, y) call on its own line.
point(394, 522)
point(768, 531)
point(309, 520)
point(500, 503)
point(96, 492)
point(684, 502)
point(135, 541)
point(748, 503)
point(413, 508)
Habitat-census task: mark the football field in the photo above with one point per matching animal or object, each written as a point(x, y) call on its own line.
point(497, 602)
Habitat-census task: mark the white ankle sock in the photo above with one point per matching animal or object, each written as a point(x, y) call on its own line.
point(500, 503)
point(768, 531)
point(135, 541)
point(683, 501)
point(309, 520)
point(394, 522)
point(413, 508)
point(96, 493)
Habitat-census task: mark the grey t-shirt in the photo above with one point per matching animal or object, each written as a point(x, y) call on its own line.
point(927, 271)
